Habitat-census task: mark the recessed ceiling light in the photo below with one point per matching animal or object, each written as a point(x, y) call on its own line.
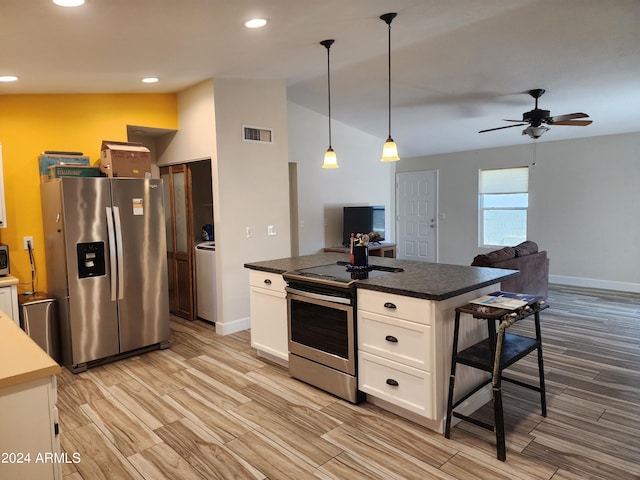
point(8, 78)
point(69, 3)
point(150, 80)
point(255, 23)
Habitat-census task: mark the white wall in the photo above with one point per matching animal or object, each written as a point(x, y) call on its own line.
point(249, 180)
point(196, 135)
point(361, 178)
point(584, 198)
point(252, 188)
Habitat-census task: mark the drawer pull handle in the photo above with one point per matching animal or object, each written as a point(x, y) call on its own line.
point(391, 338)
point(390, 305)
point(392, 382)
point(267, 281)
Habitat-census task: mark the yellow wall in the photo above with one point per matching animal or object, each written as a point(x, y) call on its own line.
point(31, 124)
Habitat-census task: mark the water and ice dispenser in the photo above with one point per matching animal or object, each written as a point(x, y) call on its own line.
point(91, 261)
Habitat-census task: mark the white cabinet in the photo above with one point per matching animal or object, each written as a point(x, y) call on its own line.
point(9, 297)
point(29, 442)
point(32, 449)
point(396, 350)
point(404, 354)
point(268, 314)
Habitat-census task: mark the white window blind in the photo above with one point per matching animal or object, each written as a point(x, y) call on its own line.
point(504, 180)
point(503, 201)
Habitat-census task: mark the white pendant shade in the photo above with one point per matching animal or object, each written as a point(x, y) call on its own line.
point(390, 151)
point(330, 160)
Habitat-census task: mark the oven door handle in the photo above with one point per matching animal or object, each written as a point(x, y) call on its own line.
point(319, 296)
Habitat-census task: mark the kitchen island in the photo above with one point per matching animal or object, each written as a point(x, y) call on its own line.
point(409, 375)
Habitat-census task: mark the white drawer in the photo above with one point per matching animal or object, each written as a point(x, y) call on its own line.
point(396, 306)
point(270, 281)
point(400, 385)
point(406, 342)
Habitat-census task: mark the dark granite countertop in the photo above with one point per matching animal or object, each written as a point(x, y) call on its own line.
point(431, 281)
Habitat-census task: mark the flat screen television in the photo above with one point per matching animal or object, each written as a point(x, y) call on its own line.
point(362, 220)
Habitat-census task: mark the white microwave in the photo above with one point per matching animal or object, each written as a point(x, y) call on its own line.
point(4, 260)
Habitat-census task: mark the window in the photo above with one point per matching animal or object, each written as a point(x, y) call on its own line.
point(503, 199)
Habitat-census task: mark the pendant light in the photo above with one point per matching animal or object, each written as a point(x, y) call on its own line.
point(390, 149)
point(330, 160)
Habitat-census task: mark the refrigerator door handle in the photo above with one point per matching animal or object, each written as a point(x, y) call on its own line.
point(116, 217)
point(112, 253)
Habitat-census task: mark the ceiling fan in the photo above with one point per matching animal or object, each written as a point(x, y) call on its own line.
point(537, 117)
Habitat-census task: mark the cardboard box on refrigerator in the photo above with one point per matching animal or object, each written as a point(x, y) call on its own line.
point(125, 159)
point(73, 170)
point(49, 159)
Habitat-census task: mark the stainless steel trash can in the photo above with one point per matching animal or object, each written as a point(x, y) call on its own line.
point(38, 319)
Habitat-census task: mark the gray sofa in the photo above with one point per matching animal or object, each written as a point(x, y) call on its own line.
point(525, 257)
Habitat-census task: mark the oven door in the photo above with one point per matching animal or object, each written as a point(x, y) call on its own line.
point(321, 328)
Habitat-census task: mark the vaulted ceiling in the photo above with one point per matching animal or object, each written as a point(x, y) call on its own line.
point(458, 66)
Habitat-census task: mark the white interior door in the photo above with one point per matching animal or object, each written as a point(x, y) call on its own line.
point(417, 215)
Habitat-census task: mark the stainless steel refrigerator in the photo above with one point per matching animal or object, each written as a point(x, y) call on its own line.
point(105, 247)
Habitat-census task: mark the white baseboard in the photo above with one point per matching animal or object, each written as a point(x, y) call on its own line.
point(595, 283)
point(233, 326)
point(274, 358)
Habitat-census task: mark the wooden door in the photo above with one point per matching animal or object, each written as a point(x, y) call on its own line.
point(180, 241)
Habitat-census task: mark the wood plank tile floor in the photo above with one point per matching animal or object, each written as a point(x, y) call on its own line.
point(209, 408)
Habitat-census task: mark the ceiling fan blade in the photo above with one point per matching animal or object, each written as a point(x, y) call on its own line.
point(507, 120)
point(568, 116)
point(575, 123)
point(500, 128)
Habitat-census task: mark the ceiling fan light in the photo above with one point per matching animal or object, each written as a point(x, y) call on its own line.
point(390, 151)
point(330, 159)
point(535, 132)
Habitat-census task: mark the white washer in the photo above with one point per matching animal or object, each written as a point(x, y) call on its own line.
point(206, 280)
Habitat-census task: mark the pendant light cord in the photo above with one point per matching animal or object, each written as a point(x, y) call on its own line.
point(388, 18)
point(327, 44)
point(389, 78)
point(329, 89)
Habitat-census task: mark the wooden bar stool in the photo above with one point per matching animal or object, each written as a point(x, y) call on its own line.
point(494, 354)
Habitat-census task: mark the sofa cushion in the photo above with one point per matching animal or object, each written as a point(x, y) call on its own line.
point(488, 259)
point(534, 274)
point(526, 248)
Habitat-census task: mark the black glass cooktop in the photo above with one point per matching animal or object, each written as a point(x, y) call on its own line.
point(340, 272)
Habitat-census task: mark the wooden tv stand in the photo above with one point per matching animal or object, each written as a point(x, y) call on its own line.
point(378, 249)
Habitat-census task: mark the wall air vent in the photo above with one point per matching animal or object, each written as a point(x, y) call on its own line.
point(257, 134)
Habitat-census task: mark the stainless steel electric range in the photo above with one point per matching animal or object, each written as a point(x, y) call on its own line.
point(321, 306)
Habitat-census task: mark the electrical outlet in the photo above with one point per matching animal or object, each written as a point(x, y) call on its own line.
point(249, 234)
point(271, 230)
point(27, 241)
